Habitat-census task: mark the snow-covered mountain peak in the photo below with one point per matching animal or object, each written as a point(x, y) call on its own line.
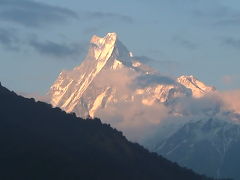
point(102, 48)
point(198, 88)
point(110, 74)
point(110, 38)
point(188, 78)
point(109, 48)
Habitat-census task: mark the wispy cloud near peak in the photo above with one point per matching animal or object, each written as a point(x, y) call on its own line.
point(32, 13)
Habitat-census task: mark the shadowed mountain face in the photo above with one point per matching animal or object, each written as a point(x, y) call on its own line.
point(213, 142)
point(40, 142)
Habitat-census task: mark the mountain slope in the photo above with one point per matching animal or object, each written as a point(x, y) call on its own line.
point(198, 87)
point(40, 142)
point(110, 74)
point(214, 141)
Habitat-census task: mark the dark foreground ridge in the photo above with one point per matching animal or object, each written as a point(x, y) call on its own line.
point(40, 142)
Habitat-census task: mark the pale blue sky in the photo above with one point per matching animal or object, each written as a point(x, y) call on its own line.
point(40, 38)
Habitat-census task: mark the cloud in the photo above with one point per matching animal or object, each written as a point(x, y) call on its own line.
point(218, 105)
point(233, 42)
point(221, 106)
point(58, 50)
point(126, 112)
point(198, 108)
point(231, 21)
point(228, 79)
point(215, 10)
point(231, 100)
point(228, 17)
point(9, 39)
point(185, 43)
point(33, 14)
point(164, 66)
point(124, 86)
point(135, 119)
point(151, 79)
point(37, 14)
point(129, 111)
point(141, 121)
point(218, 14)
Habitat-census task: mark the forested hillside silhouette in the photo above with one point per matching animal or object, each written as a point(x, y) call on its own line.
point(39, 142)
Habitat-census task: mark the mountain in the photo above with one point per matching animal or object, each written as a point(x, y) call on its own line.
point(110, 74)
point(198, 88)
point(212, 141)
point(40, 142)
point(113, 84)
